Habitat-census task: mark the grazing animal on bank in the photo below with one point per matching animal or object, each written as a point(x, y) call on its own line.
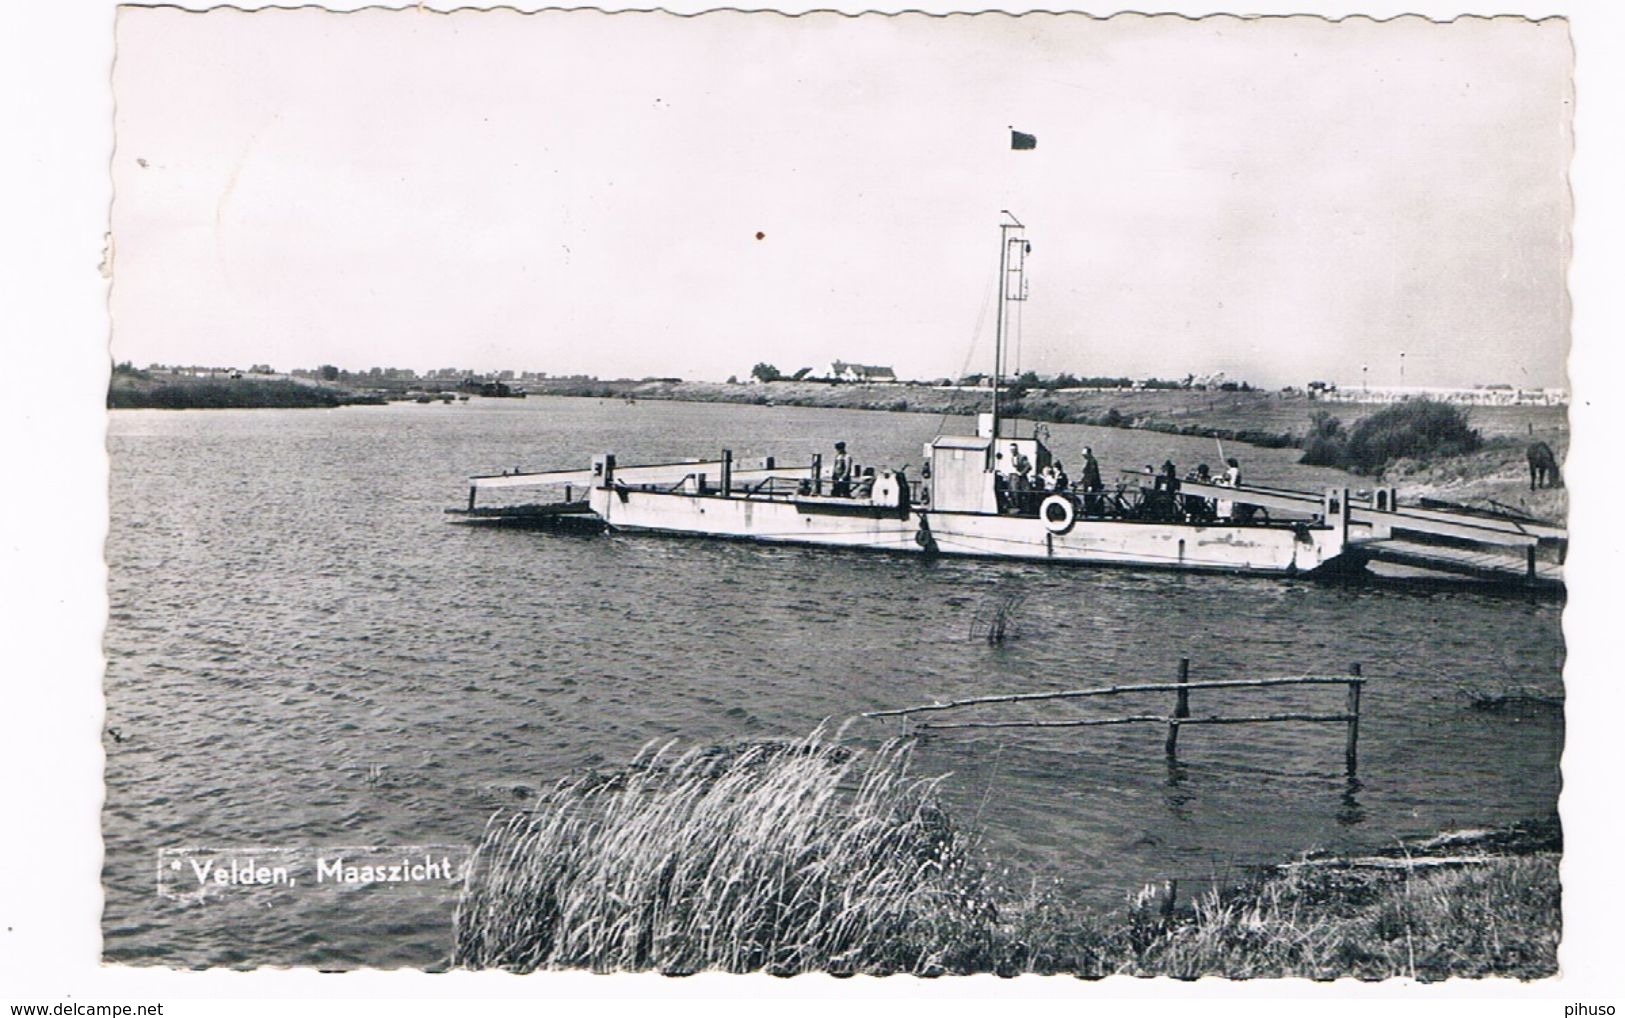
point(1543, 467)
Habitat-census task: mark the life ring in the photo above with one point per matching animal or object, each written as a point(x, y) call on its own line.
point(924, 538)
point(1058, 513)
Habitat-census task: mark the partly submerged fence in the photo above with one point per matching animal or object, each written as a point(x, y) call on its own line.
point(1180, 716)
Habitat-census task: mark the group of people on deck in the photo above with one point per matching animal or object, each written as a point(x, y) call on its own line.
point(1020, 489)
point(1197, 508)
point(1163, 499)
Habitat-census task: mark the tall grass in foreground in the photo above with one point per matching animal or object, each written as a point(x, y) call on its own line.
point(782, 857)
point(806, 856)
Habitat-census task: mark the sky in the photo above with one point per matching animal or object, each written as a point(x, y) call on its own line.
point(1279, 199)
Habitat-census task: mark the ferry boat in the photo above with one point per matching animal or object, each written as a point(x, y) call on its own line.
point(968, 502)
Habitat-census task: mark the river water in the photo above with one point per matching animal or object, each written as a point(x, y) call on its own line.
point(302, 652)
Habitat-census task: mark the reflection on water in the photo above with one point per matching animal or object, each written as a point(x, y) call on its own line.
point(302, 652)
point(1349, 812)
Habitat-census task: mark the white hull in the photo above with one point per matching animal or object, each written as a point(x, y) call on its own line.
point(1219, 547)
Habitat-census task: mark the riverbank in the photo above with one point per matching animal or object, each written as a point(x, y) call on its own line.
point(1496, 476)
point(812, 857)
point(1284, 415)
point(1260, 418)
point(139, 391)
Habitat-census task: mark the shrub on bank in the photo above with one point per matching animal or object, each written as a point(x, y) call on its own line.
point(1418, 429)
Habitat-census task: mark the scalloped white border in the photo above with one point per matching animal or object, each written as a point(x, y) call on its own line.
point(57, 115)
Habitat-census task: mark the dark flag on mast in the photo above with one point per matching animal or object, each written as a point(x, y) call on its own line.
point(1022, 141)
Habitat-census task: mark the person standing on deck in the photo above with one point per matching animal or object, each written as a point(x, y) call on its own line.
point(1020, 478)
point(1167, 488)
point(1197, 507)
point(1240, 512)
point(840, 477)
point(1019, 463)
point(1089, 480)
point(1226, 508)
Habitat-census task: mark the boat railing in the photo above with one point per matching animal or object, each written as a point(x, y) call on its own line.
point(772, 486)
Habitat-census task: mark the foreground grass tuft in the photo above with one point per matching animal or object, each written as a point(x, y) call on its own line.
point(781, 858)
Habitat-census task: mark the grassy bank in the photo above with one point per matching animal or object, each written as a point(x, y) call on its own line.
point(1449, 912)
point(1258, 418)
point(1434, 450)
point(1273, 419)
point(1496, 475)
point(808, 856)
point(138, 390)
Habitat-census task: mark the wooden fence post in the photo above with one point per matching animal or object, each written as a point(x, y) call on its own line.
point(1182, 707)
point(1352, 746)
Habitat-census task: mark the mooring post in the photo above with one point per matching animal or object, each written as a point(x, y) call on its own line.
point(1530, 558)
point(1352, 746)
point(727, 472)
point(471, 491)
point(818, 473)
point(1182, 707)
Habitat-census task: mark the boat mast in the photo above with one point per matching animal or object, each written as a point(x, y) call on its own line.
point(1012, 261)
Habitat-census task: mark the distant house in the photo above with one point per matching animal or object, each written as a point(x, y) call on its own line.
point(861, 372)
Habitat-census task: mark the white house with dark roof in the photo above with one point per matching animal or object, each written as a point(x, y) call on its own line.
point(861, 372)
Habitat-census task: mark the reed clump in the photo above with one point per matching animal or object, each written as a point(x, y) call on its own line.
point(783, 858)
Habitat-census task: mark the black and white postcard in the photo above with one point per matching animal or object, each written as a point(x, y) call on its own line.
point(927, 495)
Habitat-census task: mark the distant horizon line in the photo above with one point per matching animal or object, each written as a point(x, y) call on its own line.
point(1188, 380)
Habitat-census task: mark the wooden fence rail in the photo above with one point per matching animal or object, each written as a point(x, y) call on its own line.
point(1180, 716)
